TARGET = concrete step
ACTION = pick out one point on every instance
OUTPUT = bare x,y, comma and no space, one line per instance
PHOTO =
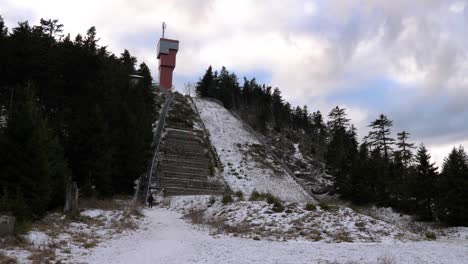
179,139
187,183
181,175
185,152
179,132
185,159
171,191
175,158
182,137
175,125
184,144
182,163
180,169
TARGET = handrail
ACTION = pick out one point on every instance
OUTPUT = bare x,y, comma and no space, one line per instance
156,141
157,138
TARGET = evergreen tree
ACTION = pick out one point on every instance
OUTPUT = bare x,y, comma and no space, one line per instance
452,201
204,83
3,29
51,27
342,148
404,148
361,184
423,183
33,167
379,136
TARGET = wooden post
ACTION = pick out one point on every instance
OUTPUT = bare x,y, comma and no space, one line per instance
71,199
7,225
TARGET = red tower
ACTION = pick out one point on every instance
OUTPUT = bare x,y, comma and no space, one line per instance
167,51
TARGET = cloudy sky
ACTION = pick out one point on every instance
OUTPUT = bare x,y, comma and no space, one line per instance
406,59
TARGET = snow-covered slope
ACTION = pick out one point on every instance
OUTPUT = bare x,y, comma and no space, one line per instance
247,165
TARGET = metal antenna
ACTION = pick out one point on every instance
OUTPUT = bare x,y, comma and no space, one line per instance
163,28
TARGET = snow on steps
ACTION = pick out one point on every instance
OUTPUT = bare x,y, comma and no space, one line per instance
184,168
229,137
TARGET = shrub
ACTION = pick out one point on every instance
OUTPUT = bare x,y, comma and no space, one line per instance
278,206
255,196
227,198
310,207
212,169
212,200
327,207
431,235
239,194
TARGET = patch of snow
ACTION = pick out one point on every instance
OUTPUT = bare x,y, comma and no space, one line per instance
93,213
37,239
242,172
297,152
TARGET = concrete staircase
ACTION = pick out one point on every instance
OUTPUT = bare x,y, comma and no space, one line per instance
184,166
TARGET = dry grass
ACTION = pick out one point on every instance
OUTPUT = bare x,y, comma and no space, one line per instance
12,242
7,260
103,204
218,224
342,236
43,256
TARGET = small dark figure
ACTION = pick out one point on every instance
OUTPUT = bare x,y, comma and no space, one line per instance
150,201
164,192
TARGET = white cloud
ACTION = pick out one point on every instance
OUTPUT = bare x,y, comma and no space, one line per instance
458,7
310,8
311,49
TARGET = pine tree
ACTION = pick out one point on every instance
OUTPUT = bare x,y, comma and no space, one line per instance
342,148
204,83
51,27
405,148
423,183
33,166
379,136
3,29
361,184
452,201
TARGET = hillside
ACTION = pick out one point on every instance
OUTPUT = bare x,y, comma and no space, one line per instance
268,218
248,166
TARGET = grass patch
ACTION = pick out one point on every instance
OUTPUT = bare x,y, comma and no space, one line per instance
90,244
212,200
328,207
342,236
23,227
103,204
7,260
212,169
431,235
310,207
43,256
227,199
269,198
240,195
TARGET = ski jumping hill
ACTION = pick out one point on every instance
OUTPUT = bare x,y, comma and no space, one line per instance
248,165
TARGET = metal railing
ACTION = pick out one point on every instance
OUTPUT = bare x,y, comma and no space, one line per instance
157,138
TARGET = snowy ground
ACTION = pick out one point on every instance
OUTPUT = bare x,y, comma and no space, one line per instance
57,238
168,239
247,165
257,219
